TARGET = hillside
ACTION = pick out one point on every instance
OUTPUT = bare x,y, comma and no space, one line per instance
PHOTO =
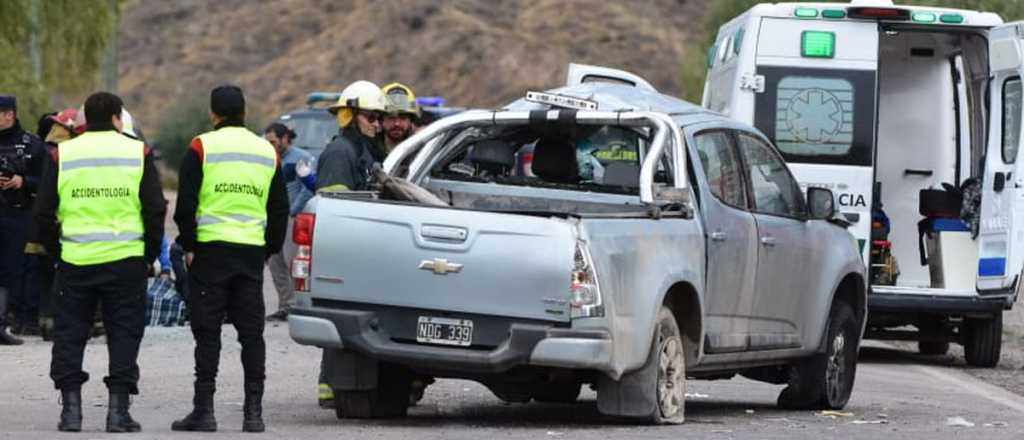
475,53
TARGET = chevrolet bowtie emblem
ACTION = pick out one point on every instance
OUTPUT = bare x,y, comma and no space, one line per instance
440,266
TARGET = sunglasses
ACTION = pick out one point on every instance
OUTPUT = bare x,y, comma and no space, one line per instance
371,117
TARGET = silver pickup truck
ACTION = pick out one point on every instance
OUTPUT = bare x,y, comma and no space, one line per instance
600,233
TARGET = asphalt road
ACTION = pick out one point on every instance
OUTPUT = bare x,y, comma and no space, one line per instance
895,397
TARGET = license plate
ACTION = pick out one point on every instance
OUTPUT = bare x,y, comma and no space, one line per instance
444,331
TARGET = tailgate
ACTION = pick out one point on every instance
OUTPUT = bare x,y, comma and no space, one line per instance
443,259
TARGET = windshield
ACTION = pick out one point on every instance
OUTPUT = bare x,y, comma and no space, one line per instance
313,130
605,159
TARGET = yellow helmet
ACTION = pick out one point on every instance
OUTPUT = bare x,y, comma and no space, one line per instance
400,99
360,95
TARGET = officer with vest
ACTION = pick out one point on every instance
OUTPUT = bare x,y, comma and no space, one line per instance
232,213
21,165
101,209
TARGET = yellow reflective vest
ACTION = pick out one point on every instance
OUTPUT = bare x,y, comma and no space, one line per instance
238,167
100,213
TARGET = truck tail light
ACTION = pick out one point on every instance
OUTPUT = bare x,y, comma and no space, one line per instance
302,264
584,292
302,230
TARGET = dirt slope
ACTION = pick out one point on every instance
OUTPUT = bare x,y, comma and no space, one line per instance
475,53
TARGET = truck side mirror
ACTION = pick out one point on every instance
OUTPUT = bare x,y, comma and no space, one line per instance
821,203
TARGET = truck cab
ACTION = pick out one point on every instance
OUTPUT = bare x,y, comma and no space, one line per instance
911,115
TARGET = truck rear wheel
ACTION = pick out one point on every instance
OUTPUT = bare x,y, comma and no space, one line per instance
389,399
825,380
983,341
670,361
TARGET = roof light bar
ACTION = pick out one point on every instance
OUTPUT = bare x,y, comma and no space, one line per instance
879,13
924,17
833,13
951,18
804,12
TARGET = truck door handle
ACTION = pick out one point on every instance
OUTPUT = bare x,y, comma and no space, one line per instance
768,241
719,236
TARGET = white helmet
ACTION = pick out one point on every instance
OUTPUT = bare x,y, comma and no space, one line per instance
361,95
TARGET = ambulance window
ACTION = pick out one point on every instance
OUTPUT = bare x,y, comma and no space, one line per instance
814,116
818,116
1012,92
722,168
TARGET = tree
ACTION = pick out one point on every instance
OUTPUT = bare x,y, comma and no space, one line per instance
694,67
65,42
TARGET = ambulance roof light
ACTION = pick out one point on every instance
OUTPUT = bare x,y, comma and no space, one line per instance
879,13
871,3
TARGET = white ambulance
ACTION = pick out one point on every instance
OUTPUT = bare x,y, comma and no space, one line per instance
878,102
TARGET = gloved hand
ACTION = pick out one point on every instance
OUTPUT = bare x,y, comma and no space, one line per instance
302,168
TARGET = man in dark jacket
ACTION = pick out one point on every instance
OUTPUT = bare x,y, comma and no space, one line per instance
21,166
232,214
101,209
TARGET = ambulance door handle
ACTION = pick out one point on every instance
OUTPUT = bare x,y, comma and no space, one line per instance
925,173
768,241
719,236
999,182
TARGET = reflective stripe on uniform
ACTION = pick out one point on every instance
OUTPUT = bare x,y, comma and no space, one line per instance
98,162
213,220
101,236
241,157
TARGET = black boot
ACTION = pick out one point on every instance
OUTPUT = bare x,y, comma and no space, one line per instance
201,418
253,408
118,418
5,337
71,414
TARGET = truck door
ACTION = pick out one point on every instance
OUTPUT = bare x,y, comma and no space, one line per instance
731,243
1001,235
783,250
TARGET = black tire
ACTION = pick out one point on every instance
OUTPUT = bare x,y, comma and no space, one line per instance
670,362
932,348
983,342
389,400
825,380
558,392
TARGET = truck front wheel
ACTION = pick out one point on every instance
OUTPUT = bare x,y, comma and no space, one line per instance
825,380
983,341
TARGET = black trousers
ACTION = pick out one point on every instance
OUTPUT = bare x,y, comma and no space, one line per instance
120,287
14,224
227,282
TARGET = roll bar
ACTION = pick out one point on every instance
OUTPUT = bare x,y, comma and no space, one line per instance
666,133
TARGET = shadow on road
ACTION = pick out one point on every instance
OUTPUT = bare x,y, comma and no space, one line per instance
887,355
552,416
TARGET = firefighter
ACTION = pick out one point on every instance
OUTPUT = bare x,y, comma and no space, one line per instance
232,212
401,116
101,196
